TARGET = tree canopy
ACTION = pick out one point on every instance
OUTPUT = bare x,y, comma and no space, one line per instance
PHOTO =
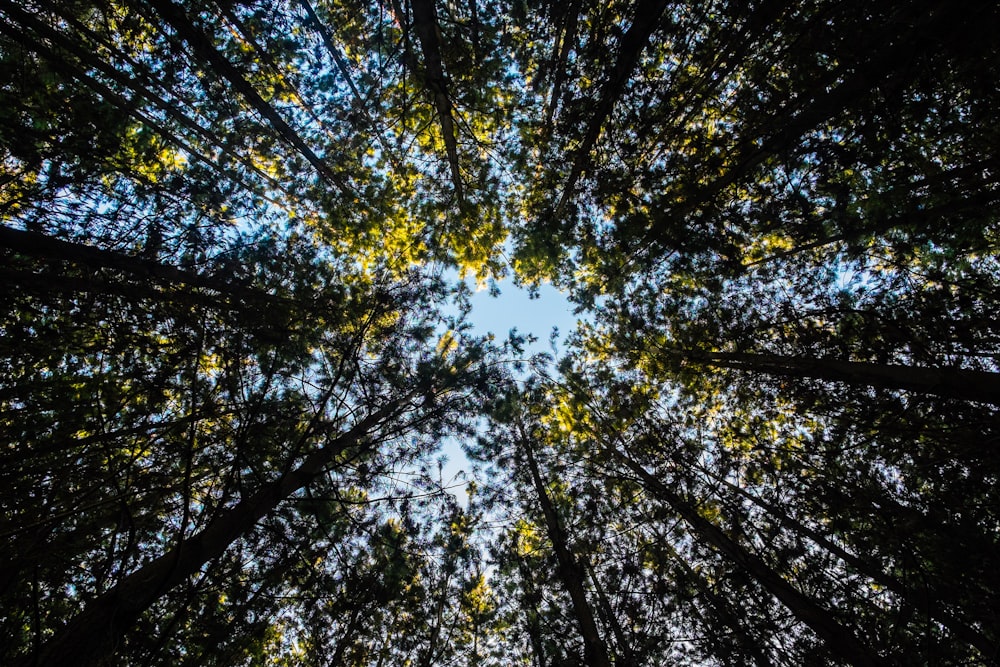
236,241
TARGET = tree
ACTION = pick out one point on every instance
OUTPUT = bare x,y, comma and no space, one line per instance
234,332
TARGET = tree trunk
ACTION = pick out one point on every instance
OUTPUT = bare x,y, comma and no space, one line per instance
429,34
722,607
624,656
954,383
203,48
91,636
139,90
570,572
923,603
49,249
840,640
647,17
529,607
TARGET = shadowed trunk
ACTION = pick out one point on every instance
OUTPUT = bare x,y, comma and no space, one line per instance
429,34
570,571
91,636
840,641
957,383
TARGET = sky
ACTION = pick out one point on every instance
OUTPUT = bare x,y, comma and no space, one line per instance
514,307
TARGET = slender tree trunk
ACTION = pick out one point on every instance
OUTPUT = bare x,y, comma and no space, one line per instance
954,383
428,33
570,572
347,638
332,49
92,635
722,607
624,656
839,640
203,48
647,17
560,58
139,88
529,607
922,603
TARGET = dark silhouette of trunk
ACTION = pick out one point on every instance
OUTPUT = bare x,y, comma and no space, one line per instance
127,104
956,383
435,637
530,599
570,572
759,24
52,250
331,48
347,639
201,45
887,51
722,607
624,656
919,219
647,17
429,35
921,602
840,641
92,635
568,31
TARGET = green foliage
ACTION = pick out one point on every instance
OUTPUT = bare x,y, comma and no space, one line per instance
228,355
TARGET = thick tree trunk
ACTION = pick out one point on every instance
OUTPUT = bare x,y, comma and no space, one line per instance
49,249
91,636
570,571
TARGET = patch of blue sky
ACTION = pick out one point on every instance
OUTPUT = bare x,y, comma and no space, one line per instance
544,313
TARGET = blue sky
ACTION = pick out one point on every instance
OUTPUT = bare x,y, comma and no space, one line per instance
515,308
498,315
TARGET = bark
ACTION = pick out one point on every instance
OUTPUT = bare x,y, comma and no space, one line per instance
201,45
429,34
923,603
50,249
91,636
647,17
570,571
63,65
331,48
840,640
722,607
955,383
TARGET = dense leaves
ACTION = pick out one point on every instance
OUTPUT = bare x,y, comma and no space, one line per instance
230,350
